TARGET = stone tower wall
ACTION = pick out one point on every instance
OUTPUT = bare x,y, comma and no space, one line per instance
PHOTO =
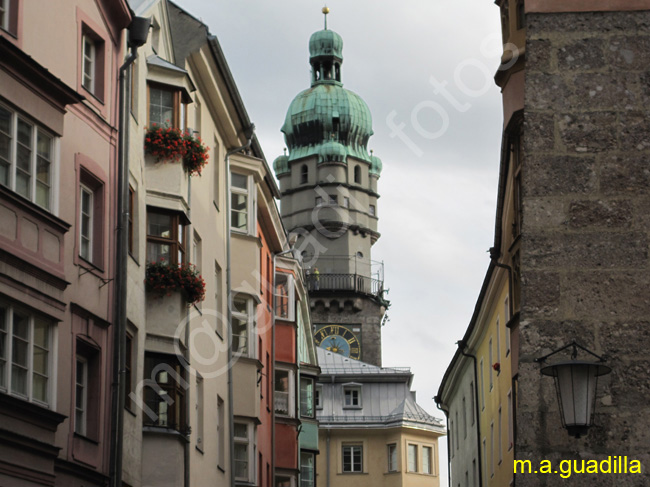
586,223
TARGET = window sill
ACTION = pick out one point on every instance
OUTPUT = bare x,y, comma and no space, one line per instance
85,438
134,258
353,407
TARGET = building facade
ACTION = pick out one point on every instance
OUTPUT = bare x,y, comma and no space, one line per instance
329,199
568,235
58,166
372,432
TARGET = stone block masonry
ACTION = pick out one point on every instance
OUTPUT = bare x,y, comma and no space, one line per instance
586,232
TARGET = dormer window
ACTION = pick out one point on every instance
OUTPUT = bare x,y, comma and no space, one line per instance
304,174
357,174
352,396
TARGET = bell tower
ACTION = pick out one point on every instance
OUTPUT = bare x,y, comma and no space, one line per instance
328,182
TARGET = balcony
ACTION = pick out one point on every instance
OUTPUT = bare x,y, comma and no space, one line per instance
345,282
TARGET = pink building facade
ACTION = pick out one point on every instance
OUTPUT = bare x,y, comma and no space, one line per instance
59,65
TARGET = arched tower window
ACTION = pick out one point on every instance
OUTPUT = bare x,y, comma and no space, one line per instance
304,174
357,174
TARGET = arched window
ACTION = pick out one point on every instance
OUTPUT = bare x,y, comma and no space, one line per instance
357,174
304,174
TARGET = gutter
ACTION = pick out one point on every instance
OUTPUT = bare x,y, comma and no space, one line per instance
231,413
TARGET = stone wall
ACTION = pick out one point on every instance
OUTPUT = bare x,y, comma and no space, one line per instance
586,221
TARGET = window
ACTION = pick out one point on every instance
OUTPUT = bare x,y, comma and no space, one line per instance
131,219
511,435
217,300
346,202
242,315
26,158
472,413
284,481
333,199
81,396
318,398
307,397
197,116
92,63
491,363
284,296
451,438
4,14
221,433
243,436
307,470
506,313
196,251
87,389
89,63
165,106
500,443
304,174
456,433
319,201
491,449
372,210
165,237
498,335
517,156
165,398
412,457
352,458
25,359
242,214
464,418
485,460
521,15
284,392
351,396
357,174
216,174
392,457
128,375
86,223
427,460
482,386
199,412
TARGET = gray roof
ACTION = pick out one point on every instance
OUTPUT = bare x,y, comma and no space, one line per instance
386,398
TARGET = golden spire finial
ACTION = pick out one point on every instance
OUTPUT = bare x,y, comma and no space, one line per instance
325,11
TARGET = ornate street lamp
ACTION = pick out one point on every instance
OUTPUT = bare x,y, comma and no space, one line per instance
575,383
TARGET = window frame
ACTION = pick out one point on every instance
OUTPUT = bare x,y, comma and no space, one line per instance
81,412
307,404
85,190
250,193
351,447
95,187
392,463
88,57
290,393
352,388
36,132
174,388
412,448
179,114
289,297
176,243
424,449
307,482
8,310
90,33
249,443
248,317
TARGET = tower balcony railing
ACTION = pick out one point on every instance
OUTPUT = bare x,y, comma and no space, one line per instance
345,282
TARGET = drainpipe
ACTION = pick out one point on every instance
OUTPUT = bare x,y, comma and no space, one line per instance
186,354
270,376
440,405
461,347
231,413
137,36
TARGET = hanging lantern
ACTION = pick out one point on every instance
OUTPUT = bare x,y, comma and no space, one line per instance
575,383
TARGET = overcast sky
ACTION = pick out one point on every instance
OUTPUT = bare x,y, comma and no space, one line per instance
427,65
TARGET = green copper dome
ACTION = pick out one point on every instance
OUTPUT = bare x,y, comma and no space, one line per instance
375,165
281,165
326,120
326,43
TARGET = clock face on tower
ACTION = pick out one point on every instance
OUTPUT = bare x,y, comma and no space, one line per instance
338,339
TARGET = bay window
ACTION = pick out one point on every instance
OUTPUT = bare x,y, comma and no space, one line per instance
26,360
244,449
242,203
166,106
26,157
284,392
242,326
307,469
284,296
307,397
166,399
165,237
